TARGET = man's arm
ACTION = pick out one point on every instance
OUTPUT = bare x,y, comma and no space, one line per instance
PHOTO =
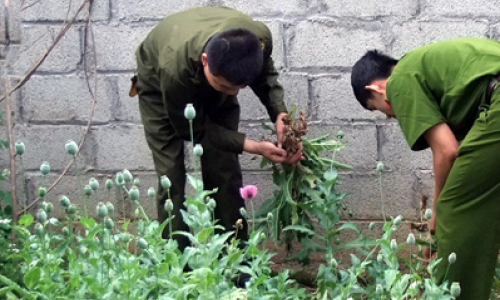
444,148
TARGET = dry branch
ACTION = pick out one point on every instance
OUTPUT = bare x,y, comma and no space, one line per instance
12,153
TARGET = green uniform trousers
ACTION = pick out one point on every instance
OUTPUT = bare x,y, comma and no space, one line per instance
468,209
220,169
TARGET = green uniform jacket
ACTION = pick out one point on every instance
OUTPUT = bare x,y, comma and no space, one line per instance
169,60
442,82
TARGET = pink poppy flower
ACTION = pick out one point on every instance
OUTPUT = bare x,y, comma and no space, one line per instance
248,192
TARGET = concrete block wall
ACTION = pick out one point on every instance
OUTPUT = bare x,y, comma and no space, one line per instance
315,44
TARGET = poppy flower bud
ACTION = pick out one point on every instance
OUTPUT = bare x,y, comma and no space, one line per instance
340,134
410,240
87,190
452,258
143,244
455,289
380,167
428,214
394,245
64,201
109,184
101,210
137,182
198,150
127,176
38,228
169,205
108,223
42,191
151,193
119,180
379,289
110,207
41,216
71,209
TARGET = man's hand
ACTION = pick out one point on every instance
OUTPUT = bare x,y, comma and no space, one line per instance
280,128
292,159
266,149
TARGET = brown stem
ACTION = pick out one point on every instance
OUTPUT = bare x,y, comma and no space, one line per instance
12,152
62,32
91,114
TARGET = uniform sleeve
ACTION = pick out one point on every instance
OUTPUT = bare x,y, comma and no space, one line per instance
176,95
266,85
415,108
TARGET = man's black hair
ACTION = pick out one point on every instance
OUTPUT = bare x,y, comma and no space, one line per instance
236,55
372,66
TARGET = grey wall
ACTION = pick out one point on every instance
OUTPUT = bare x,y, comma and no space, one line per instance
315,44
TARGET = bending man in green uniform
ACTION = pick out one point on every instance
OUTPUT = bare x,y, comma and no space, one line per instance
204,56
444,97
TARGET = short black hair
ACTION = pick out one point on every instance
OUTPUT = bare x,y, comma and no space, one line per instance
236,55
372,66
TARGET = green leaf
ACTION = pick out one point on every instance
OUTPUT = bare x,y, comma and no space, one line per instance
26,220
87,222
204,234
299,228
196,183
349,225
269,127
32,278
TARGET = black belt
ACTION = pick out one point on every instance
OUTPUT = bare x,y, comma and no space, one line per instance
491,87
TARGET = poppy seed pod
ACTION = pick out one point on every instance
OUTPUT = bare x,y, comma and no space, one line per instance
127,176
45,168
41,215
101,210
428,214
394,245
71,147
143,244
198,150
65,231
165,182
108,223
379,289
410,240
340,134
169,205
109,184
42,191
133,193
87,190
71,209
119,180
137,182
397,220
38,228
380,167
189,112
455,289
48,207
452,258
110,207
151,193
64,201
94,184
20,148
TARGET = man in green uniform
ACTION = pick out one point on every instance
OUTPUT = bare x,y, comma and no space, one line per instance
204,56
444,96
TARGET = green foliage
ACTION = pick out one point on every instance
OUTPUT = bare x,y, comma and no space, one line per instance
306,190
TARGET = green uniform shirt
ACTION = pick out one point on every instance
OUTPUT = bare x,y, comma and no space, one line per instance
442,82
169,60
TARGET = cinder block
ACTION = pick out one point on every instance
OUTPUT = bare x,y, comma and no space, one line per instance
324,43
46,143
416,33
367,9
291,8
138,10
365,199
65,57
125,108
122,146
360,150
296,93
454,8
494,32
333,99
116,46
425,186
397,155
66,98
54,10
